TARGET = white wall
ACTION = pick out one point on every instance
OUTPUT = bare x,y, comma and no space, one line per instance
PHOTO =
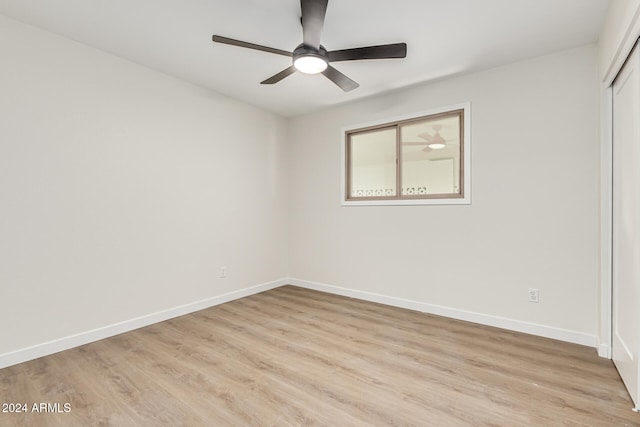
533,221
122,190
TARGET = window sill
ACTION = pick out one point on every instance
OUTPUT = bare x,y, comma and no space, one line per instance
408,202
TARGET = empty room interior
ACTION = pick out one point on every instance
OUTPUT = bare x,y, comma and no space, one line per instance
436,223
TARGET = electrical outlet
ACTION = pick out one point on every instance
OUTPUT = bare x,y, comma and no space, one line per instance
534,295
223,272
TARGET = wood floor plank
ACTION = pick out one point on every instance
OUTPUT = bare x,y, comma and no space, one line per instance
296,357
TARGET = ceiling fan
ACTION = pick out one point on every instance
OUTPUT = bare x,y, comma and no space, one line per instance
431,142
311,57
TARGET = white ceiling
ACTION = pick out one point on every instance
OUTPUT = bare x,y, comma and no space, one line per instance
444,37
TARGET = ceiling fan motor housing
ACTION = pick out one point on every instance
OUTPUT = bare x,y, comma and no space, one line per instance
310,60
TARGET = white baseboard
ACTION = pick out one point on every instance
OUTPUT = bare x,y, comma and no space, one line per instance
469,316
44,349
604,351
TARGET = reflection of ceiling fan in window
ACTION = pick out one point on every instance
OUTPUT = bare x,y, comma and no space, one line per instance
431,142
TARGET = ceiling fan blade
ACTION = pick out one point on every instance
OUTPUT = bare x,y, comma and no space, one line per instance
281,75
233,42
396,50
344,82
426,136
313,12
423,143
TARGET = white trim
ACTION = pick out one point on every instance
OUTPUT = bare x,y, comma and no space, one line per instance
469,316
624,48
604,351
55,346
606,225
47,348
466,200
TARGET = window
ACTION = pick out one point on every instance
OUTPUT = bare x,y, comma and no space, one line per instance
419,159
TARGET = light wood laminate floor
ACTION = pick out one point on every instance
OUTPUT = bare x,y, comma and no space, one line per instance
291,356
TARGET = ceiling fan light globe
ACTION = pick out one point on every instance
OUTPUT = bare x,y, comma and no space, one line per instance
436,146
310,64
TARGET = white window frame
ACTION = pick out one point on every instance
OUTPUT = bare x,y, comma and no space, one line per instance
466,160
